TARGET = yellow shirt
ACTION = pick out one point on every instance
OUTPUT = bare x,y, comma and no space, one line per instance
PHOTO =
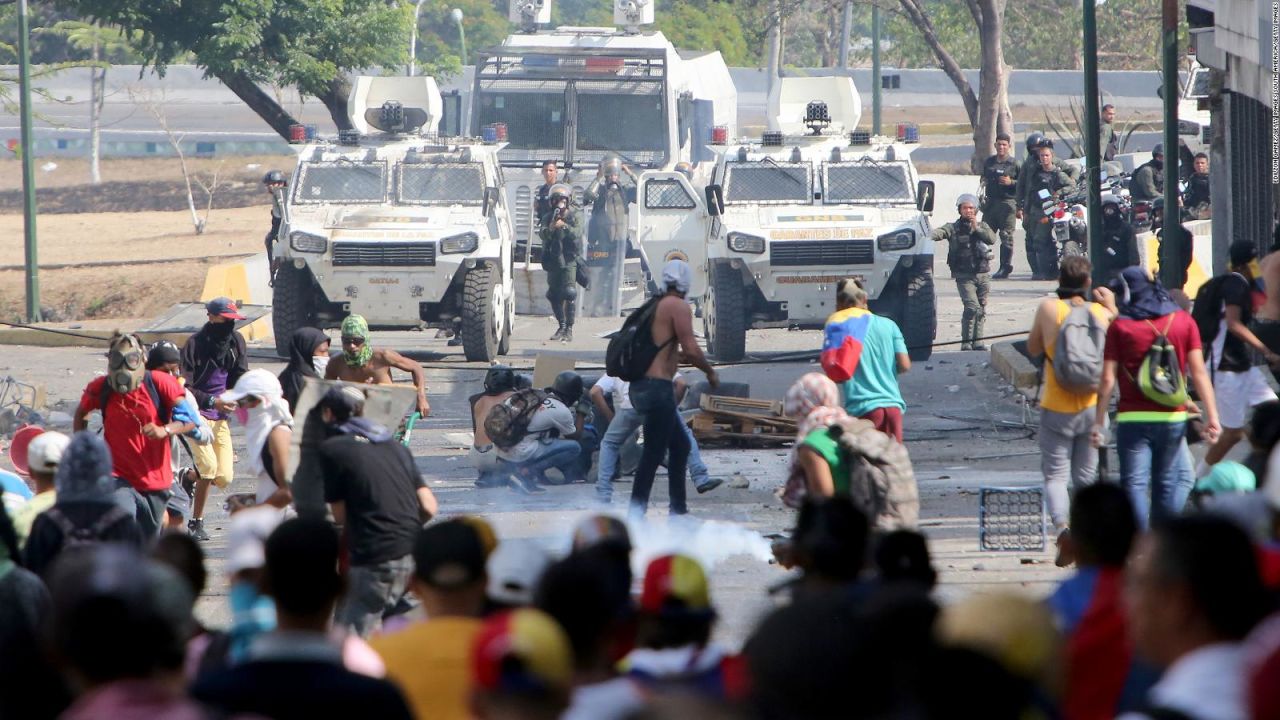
26,515
1055,397
431,662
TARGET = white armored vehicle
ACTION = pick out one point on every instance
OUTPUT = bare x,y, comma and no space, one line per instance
576,95
785,218
391,222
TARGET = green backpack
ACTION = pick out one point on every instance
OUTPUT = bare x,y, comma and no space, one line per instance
1160,377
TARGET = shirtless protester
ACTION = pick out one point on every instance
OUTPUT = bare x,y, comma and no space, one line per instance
654,395
499,383
362,364
1266,321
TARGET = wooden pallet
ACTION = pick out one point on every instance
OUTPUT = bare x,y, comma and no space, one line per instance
742,421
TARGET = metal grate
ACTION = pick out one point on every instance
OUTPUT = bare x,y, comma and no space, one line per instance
1011,518
667,195
822,252
1252,195
768,182
441,184
865,182
384,254
344,182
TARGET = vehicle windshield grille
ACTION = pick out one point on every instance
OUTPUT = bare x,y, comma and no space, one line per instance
768,182
443,184
344,182
867,181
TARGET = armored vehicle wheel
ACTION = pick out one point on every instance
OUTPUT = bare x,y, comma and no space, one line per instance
508,327
483,312
919,319
1071,247
724,315
292,305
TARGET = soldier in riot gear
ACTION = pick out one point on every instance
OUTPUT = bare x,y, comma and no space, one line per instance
561,248
550,171
1000,204
1042,251
274,182
1148,180
607,234
1119,246
969,248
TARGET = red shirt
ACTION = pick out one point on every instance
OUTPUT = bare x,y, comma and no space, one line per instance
135,458
1127,343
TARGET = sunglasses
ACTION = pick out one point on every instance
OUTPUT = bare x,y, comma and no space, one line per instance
353,341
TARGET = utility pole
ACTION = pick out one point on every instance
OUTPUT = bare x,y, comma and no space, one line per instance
456,14
775,46
1092,138
846,27
28,165
875,70
1169,273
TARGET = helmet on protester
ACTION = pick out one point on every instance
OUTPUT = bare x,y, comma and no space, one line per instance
499,378
967,198
567,387
275,177
559,191
1034,140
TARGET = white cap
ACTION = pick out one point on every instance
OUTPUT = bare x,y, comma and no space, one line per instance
514,569
677,273
259,383
247,538
45,451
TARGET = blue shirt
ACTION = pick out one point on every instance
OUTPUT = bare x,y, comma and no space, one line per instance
14,491
875,381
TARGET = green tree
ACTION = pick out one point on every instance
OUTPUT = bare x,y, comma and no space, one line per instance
307,44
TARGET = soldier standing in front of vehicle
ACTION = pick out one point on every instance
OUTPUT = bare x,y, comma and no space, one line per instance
1000,207
274,182
561,246
969,245
1042,251
1035,142
1148,180
550,171
607,234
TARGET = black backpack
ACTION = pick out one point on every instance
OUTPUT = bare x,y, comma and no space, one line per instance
1207,312
163,413
632,350
508,422
74,536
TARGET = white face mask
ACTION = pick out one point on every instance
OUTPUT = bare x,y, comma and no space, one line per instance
320,362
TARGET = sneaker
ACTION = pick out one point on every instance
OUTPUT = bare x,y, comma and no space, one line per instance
559,333
454,341
978,346
1002,273
567,335
490,480
526,484
709,485
195,528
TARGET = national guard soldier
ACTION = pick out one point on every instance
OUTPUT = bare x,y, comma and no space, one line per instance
550,171
607,235
561,247
1147,183
1042,251
1000,205
969,247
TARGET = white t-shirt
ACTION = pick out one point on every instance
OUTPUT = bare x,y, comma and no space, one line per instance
621,390
553,415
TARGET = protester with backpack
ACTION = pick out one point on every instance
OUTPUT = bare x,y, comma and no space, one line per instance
534,432
213,360
1070,331
1150,350
136,406
1224,311
86,511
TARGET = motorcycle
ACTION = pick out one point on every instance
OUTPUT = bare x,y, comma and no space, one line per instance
1069,226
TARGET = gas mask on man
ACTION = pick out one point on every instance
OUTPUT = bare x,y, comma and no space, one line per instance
126,363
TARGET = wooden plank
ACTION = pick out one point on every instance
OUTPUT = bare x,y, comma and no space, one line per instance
778,420
740,405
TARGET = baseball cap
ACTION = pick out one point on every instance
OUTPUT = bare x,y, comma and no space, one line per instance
247,538
451,554
514,570
599,530
523,651
1227,477
223,307
45,451
675,585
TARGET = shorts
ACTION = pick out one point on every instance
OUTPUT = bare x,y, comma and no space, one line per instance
887,420
179,502
1236,392
214,461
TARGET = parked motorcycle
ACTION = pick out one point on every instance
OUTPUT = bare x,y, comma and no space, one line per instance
1069,225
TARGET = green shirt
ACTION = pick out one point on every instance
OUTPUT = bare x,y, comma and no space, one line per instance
821,442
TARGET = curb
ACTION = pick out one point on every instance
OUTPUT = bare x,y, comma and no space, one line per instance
1013,366
39,338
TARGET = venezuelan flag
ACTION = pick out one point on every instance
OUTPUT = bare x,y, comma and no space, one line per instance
842,343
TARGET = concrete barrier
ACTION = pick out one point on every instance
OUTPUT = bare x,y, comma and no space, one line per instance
248,282
1014,367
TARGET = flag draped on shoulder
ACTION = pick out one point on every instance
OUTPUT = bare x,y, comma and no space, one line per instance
842,343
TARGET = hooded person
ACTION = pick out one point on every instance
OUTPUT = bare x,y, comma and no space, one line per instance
1119,244
85,512
268,425
815,404
308,358
356,327
361,363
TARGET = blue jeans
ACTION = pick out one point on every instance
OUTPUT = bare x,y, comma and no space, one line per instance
624,424
1153,454
656,400
559,454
